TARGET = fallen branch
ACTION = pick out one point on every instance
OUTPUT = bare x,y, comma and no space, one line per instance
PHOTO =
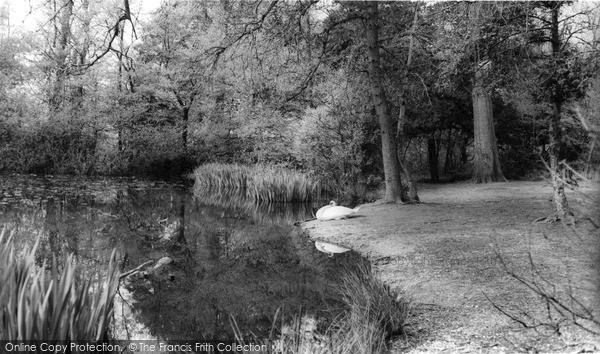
134,270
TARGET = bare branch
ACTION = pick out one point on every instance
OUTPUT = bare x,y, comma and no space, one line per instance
249,29
114,33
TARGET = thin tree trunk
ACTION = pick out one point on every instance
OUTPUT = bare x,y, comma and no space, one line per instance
410,193
449,161
555,132
486,163
80,54
184,133
64,14
119,124
560,199
432,158
391,167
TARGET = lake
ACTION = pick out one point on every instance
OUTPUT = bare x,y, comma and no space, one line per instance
213,258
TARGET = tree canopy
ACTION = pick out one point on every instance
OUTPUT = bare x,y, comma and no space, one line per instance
362,95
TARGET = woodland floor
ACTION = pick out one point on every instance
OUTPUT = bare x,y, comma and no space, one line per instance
443,253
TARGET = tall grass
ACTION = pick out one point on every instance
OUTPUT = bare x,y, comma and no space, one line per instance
374,314
39,304
259,183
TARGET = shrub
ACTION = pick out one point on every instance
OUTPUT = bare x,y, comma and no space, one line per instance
331,141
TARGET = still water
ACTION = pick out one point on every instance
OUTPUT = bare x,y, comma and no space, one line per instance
210,259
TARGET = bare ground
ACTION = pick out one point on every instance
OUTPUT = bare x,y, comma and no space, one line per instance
447,255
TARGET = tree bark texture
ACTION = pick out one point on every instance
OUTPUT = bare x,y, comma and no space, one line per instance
486,163
391,167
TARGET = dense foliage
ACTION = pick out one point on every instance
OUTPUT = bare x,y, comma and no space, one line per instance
99,89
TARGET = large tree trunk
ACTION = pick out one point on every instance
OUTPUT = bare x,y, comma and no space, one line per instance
486,163
391,167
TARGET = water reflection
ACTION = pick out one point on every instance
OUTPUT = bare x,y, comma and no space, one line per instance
208,257
330,248
275,213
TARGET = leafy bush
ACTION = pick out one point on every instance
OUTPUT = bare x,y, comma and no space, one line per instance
330,143
48,147
37,304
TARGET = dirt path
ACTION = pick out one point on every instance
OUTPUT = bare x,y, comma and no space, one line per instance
443,253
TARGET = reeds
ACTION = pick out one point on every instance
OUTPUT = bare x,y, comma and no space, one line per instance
44,305
259,183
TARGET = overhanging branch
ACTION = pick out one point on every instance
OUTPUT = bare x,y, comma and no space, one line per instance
113,33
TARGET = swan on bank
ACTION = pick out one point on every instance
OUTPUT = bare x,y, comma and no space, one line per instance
322,209
334,212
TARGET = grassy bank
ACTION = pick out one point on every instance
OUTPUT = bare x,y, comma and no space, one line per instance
259,183
39,301
372,315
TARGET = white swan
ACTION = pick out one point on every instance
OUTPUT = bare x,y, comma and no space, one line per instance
337,213
321,210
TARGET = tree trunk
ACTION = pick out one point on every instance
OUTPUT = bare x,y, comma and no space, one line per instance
184,133
555,132
486,163
409,194
432,157
558,184
449,161
79,56
63,31
391,168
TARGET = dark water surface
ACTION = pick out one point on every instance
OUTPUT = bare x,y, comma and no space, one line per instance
220,257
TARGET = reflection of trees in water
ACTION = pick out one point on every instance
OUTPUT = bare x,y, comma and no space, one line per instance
276,213
223,261
235,266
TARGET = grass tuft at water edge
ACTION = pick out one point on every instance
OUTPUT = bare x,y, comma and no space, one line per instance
260,183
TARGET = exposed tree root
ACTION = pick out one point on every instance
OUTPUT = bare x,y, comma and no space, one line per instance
568,218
